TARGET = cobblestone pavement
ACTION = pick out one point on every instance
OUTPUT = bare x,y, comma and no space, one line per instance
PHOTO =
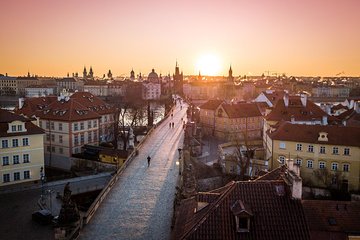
140,205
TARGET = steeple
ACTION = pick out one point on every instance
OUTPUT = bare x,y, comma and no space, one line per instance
91,73
230,77
132,74
84,72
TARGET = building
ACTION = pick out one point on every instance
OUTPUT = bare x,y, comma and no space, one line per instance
96,88
24,82
233,121
69,123
69,84
327,155
178,80
152,87
8,85
39,90
208,115
330,91
260,209
21,150
271,97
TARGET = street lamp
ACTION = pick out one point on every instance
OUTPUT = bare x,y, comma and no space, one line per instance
42,179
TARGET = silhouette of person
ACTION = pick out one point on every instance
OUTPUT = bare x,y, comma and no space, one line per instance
148,159
173,124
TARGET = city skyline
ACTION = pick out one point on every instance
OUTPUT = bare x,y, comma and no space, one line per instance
308,38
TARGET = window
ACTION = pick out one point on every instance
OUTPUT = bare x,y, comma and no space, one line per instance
19,128
322,150
26,158
346,167
52,149
27,174
298,162
322,165
5,160
76,127
282,145
4,143
61,150
89,124
6,177
334,166
298,147
15,143
47,137
309,163
25,141
95,136
60,139
60,127
76,140
95,123
13,128
81,126
52,126
347,151
47,125
53,137
282,160
48,148
82,138
310,148
335,150
16,176
89,137
41,124
16,159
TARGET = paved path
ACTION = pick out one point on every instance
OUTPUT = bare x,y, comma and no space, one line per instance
140,205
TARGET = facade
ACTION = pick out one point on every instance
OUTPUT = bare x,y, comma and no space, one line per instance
21,149
270,97
8,85
39,91
69,123
331,91
24,82
96,88
151,91
117,88
238,122
207,116
69,84
316,149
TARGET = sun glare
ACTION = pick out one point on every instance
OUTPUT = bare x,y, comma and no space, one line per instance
208,65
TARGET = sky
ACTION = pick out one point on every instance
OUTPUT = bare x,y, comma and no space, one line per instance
300,38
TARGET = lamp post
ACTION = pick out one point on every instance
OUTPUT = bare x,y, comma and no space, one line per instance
179,149
42,179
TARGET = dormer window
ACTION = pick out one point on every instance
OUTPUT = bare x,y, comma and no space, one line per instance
242,215
220,112
323,136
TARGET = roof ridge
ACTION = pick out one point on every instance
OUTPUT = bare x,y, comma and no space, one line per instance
213,205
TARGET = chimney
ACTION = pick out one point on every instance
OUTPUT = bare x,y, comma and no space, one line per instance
6,74
303,98
286,100
293,180
344,123
324,120
21,103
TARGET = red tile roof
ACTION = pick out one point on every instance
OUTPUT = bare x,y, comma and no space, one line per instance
80,106
337,135
8,117
274,215
295,109
275,96
211,104
332,219
241,110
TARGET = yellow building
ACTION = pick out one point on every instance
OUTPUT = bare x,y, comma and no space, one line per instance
22,149
327,155
113,156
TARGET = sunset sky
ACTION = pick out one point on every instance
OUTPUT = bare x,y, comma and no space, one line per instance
307,37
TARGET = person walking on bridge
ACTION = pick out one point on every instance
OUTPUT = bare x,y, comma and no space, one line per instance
148,159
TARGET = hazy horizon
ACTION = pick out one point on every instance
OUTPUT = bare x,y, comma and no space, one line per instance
298,38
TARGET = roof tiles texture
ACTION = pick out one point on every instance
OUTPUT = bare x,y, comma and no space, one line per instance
241,110
275,216
337,135
211,104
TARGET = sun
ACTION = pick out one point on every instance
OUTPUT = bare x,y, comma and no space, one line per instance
208,65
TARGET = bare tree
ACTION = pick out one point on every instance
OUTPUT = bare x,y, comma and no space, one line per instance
242,154
328,179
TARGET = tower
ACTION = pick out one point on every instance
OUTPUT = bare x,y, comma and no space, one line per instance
230,77
84,72
178,79
109,75
91,73
132,74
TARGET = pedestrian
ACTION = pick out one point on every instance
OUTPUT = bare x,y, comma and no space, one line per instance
172,115
169,124
173,124
148,158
